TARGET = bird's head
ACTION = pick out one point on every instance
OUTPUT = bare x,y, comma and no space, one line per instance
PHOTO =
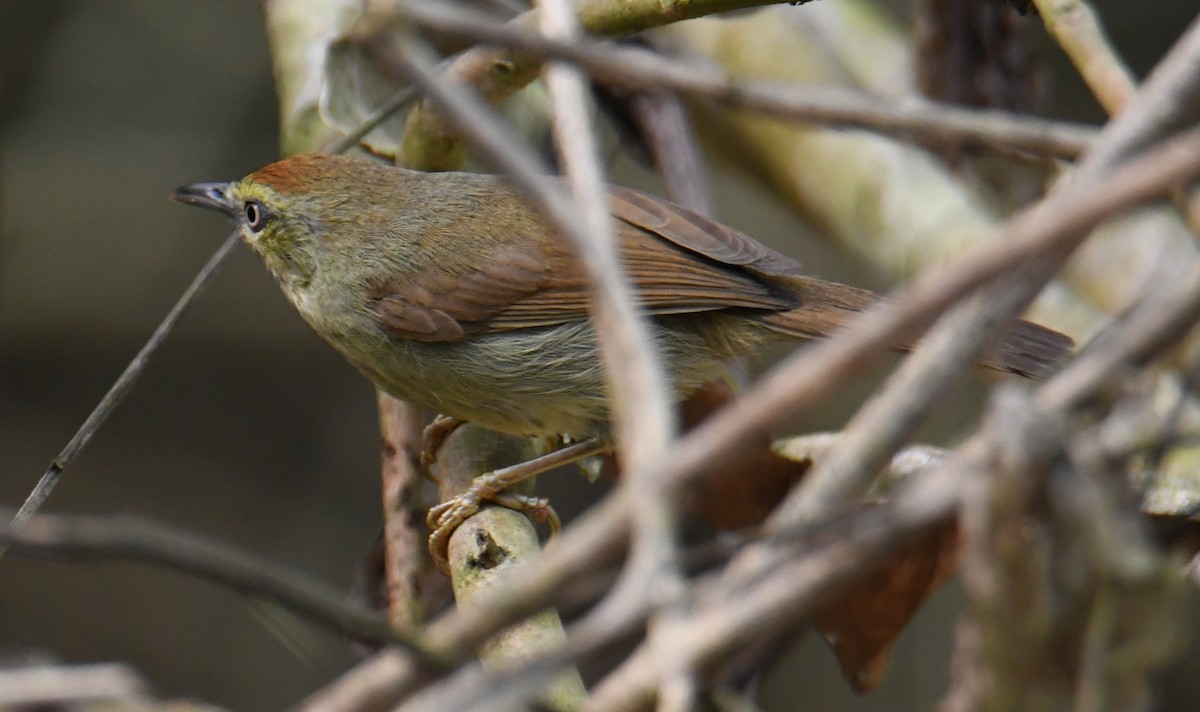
285,211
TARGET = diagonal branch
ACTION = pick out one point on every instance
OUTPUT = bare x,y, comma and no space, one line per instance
1076,28
433,144
124,383
644,70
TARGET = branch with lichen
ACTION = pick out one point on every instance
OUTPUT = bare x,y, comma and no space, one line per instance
496,544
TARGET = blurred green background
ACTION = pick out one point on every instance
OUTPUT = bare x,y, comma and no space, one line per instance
246,427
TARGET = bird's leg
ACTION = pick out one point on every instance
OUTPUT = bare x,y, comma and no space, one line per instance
435,435
444,518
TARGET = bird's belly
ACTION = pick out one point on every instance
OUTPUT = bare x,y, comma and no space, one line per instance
545,381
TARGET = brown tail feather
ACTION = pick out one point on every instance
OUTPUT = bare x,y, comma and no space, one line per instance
1025,349
1028,349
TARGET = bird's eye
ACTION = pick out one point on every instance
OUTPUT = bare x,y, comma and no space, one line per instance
256,215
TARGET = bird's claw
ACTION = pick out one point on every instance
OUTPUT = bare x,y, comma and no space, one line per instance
435,435
443,520
446,517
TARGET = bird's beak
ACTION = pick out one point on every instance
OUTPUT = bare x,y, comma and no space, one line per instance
214,196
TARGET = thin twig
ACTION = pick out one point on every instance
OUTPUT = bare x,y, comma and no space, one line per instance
1146,332
815,568
1076,28
398,101
371,686
667,128
641,408
94,538
117,392
883,424
497,74
1165,102
643,414
644,70
472,688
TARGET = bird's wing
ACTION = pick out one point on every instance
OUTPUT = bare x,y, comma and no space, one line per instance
697,234
677,261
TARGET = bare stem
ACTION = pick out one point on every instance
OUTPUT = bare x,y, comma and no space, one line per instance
124,383
1076,28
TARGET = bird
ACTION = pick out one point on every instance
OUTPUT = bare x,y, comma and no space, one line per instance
450,290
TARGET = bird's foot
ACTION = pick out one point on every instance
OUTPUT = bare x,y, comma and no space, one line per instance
446,517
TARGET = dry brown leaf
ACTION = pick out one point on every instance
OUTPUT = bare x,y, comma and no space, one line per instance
863,623
742,494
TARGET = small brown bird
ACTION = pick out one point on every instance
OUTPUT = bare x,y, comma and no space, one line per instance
449,290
